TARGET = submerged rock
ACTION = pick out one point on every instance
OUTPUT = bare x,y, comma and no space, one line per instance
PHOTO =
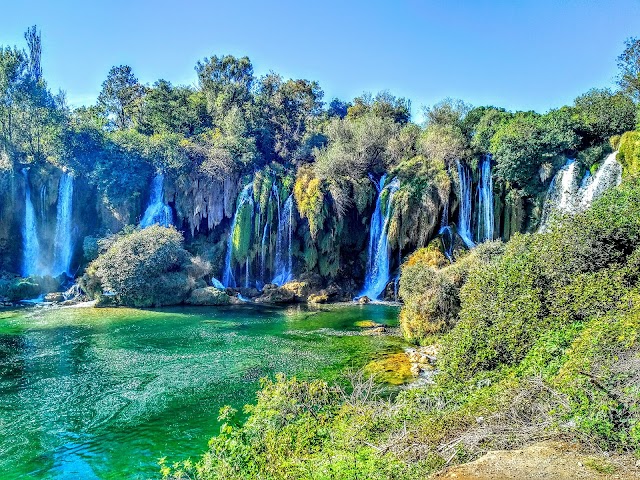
208,296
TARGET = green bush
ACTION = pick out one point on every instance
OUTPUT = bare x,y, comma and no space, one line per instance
142,269
430,289
629,153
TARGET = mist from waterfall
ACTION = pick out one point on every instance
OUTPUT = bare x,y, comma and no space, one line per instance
63,240
485,202
283,266
245,197
157,212
30,242
568,193
464,210
377,275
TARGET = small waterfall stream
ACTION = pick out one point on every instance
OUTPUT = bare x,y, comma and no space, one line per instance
485,202
464,210
63,241
245,197
446,233
377,275
568,193
30,243
283,266
157,212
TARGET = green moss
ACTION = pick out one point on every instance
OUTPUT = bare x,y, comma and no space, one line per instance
393,369
629,153
242,232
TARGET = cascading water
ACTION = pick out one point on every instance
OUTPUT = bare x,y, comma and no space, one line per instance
608,175
464,210
63,241
245,197
284,252
157,211
446,234
377,275
568,194
30,243
485,202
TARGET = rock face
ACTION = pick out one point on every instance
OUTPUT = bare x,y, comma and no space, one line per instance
550,460
208,296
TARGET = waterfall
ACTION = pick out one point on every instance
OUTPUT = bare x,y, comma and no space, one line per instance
608,175
157,211
568,194
377,275
30,243
245,197
63,241
464,210
283,267
446,234
485,202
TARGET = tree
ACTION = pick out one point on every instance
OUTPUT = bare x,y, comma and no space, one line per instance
169,109
226,82
286,112
602,114
121,96
528,140
629,65
34,43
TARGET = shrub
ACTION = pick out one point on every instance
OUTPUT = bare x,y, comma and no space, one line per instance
431,290
143,269
629,153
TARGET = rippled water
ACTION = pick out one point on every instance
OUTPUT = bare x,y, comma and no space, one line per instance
104,393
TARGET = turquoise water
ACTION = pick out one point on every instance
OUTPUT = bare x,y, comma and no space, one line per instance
103,393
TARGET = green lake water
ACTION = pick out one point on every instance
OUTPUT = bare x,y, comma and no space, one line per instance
103,393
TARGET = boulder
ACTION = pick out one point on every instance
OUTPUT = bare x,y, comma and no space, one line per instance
276,295
208,296
55,297
364,300
318,298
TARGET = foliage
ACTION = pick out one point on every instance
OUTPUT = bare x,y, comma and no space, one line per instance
430,288
121,96
523,144
629,65
142,269
629,153
602,114
309,196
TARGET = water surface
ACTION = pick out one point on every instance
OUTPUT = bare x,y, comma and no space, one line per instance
103,393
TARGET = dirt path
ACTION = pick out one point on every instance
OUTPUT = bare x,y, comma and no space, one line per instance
551,460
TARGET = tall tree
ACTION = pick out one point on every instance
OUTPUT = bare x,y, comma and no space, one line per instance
226,82
34,43
121,96
629,65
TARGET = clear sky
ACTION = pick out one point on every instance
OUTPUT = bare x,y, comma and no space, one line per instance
519,54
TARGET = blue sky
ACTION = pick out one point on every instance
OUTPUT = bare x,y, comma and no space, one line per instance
519,54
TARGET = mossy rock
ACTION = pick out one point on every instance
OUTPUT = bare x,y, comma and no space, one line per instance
318,298
208,296
368,324
394,369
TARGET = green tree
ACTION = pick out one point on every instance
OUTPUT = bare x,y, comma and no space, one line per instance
629,65
226,82
602,113
121,96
